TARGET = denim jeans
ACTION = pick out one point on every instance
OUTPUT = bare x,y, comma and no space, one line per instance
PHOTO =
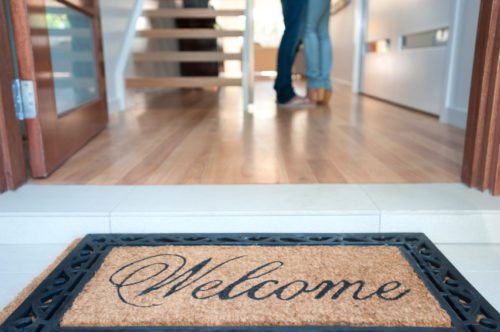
317,44
294,13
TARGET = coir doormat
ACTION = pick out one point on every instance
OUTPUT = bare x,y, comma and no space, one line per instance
358,282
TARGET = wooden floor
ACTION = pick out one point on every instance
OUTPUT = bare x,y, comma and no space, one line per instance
200,137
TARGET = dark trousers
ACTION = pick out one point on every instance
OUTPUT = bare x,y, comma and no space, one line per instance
294,13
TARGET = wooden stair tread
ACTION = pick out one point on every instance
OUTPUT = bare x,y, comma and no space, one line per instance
191,13
186,56
190,33
181,82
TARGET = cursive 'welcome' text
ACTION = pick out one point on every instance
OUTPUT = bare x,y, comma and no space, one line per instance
150,281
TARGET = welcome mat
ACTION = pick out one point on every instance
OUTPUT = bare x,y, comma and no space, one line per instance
338,282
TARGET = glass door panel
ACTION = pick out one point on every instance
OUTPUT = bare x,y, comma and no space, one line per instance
73,56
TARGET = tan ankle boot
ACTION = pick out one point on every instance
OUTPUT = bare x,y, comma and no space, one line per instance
316,95
327,95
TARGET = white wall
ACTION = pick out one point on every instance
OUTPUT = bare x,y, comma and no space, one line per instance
436,80
461,62
342,34
465,52
117,17
411,77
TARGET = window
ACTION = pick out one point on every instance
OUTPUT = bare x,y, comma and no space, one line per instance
74,62
433,38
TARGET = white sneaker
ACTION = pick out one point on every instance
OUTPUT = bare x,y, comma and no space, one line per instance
298,103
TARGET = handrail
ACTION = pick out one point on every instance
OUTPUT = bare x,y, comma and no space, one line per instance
338,5
248,70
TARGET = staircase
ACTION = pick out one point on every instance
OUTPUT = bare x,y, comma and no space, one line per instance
246,56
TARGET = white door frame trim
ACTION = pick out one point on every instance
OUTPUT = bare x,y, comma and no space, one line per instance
360,22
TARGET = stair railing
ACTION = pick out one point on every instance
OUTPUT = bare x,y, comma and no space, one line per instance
248,66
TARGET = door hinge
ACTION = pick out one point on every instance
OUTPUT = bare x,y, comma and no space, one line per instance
24,99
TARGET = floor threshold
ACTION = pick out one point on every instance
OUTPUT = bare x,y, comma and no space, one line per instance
447,213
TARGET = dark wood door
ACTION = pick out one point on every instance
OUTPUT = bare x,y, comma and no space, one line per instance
481,166
59,48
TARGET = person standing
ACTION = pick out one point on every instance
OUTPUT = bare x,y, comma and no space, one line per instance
318,51
294,14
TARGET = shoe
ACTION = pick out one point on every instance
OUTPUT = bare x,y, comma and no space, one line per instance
315,95
325,98
298,103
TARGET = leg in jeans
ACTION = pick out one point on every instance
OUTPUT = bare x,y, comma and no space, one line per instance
294,13
318,48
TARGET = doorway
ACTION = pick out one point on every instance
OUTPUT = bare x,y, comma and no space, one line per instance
208,140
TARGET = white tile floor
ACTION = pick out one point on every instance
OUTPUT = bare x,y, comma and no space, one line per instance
480,265
447,213
431,198
19,264
37,221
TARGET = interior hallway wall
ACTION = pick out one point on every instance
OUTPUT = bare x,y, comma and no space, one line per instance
342,35
411,77
461,62
436,79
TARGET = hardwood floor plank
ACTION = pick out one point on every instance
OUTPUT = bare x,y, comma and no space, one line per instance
203,137
325,171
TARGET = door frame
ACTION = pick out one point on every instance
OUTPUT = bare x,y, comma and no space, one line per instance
13,172
481,162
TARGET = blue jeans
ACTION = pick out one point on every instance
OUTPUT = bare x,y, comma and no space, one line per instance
294,13
317,44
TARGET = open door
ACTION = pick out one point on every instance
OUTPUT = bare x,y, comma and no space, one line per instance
60,60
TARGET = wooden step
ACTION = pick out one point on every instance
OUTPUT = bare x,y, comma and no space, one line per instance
191,13
188,33
186,56
181,82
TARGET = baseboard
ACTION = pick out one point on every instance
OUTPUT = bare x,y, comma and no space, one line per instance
456,117
408,107
341,81
113,105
